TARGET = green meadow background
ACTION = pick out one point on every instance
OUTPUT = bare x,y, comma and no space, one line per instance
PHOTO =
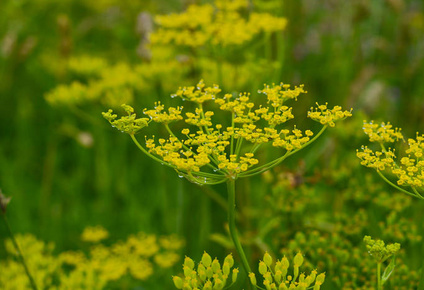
68,169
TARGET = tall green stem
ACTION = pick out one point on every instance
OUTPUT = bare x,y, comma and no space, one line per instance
421,283
231,187
20,256
379,285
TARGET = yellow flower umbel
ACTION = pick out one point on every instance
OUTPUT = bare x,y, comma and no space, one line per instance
223,25
277,276
207,152
94,234
408,167
208,274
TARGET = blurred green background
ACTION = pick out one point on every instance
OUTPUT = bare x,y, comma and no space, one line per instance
65,168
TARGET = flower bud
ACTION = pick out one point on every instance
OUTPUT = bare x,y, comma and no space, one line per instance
186,270
230,260
235,274
226,269
267,259
216,267
298,259
178,282
189,263
206,259
262,268
320,278
207,286
252,278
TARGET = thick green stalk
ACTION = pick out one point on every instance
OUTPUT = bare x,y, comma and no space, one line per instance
421,283
231,187
20,256
379,285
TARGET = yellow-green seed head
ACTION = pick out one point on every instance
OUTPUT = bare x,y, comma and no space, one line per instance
178,282
230,260
267,259
189,263
320,278
216,267
234,276
252,278
262,268
206,259
226,268
298,260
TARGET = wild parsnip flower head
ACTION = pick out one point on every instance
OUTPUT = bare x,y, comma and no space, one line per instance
379,251
87,65
208,274
109,85
140,256
94,234
408,167
382,133
207,152
223,23
278,276
328,117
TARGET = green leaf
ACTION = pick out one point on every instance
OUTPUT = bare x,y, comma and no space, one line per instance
388,271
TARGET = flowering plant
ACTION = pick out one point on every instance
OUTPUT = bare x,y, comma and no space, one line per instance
208,153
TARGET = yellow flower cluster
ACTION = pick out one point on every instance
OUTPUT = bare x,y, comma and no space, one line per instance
224,24
383,133
198,94
87,65
409,170
158,114
94,234
109,85
377,160
276,276
217,147
327,117
140,256
128,124
207,275
112,85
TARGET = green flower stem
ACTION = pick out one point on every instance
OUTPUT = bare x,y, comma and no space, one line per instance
397,187
231,187
202,115
417,193
269,165
421,283
379,285
238,146
206,130
20,256
232,135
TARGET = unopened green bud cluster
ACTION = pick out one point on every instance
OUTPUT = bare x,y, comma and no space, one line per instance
379,251
278,276
209,274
